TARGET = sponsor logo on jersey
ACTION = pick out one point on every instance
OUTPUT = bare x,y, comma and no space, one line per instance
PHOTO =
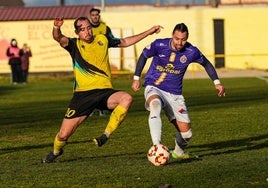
172,57
100,43
183,59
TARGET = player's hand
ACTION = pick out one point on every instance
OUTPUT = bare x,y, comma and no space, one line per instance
135,85
156,29
221,90
58,21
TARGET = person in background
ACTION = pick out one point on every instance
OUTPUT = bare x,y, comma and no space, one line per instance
92,81
13,53
163,84
25,54
98,26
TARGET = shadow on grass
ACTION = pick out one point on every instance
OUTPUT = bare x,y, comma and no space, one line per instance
101,157
233,146
23,148
6,90
226,147
216,148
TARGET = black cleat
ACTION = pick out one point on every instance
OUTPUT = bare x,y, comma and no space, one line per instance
50,158
100,140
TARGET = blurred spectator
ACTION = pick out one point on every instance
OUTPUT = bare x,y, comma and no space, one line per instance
25,53
14,61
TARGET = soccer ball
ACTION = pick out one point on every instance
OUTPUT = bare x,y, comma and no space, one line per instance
158,155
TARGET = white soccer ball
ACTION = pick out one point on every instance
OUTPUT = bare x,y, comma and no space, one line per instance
158,155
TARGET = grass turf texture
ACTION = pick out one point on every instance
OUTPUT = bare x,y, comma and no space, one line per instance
230,136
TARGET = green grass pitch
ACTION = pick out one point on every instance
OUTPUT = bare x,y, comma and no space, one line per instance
230,136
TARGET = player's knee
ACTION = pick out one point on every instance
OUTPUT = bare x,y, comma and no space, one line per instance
63,136
155,106
127,99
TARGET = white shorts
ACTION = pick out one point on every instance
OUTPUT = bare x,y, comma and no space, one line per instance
173,105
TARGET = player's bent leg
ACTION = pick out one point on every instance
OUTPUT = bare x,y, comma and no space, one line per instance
120,103
116,118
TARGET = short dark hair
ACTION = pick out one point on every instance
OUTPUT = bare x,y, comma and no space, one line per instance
82,18
182,28
94,9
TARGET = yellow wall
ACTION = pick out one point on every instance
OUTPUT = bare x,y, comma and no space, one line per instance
246,31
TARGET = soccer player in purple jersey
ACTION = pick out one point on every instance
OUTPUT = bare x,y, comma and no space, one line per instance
163,84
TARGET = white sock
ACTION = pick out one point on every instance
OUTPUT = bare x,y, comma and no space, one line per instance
178,149
155,122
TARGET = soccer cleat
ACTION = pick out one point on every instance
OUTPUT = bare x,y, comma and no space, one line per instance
180,157
100,140
51,157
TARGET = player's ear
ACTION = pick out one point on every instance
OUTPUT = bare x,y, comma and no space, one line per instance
76,32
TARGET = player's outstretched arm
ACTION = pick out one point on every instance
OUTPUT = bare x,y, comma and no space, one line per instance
56,32
128,41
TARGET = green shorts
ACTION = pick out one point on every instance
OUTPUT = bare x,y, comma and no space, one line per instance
84,102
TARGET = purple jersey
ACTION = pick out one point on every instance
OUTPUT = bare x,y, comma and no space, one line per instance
169,66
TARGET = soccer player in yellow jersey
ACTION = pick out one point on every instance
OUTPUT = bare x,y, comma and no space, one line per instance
92,81
98,26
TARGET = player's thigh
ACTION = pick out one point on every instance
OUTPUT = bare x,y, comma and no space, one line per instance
176,108
147,102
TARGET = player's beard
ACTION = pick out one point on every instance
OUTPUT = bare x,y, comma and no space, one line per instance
179,47
89,38
176,46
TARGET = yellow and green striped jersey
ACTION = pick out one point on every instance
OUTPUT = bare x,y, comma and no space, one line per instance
91,62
